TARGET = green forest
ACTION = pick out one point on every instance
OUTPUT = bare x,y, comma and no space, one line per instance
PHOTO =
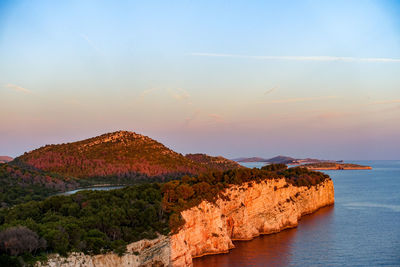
100,221
19,185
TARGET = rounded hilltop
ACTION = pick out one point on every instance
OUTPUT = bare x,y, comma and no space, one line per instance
118,154
118,135
124,137
121,134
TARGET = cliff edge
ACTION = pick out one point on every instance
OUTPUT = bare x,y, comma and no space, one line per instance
245,212
241,213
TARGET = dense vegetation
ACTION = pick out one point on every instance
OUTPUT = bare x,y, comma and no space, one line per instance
18,185
300,176
101,221
89,221
188,192
274,167
214,163
120,154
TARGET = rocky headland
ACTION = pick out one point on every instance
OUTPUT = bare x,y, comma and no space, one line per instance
242,212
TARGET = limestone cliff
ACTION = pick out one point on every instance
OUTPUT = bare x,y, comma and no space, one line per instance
247,211
144,253
244,212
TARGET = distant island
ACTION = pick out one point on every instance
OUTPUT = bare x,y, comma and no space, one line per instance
284,160
5,159
336,166
252,159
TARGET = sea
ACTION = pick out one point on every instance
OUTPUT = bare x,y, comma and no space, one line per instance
94,188
361,229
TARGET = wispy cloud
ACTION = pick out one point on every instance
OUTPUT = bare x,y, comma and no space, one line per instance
299,99
270,90
189,119
335,115
17,88
179,94
72,101
393,101
201,117
146,92
89,41
216,117
301,58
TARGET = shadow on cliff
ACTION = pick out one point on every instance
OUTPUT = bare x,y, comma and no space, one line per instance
274,249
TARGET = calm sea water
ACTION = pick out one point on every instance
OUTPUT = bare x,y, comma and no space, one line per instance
96,188
361,229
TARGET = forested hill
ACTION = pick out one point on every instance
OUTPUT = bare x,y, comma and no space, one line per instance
216,163
18,185
122,154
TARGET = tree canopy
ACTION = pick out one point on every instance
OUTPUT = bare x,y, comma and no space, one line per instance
100,221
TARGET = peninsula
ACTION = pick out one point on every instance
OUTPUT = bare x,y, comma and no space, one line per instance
285,160
207,213
335,166
198,205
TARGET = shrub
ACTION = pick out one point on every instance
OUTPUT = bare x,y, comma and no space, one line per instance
274,167
19,240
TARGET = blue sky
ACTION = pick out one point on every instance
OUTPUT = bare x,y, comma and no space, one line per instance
231,78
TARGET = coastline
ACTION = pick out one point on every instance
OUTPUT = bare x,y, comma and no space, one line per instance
243,213
339,168
257,210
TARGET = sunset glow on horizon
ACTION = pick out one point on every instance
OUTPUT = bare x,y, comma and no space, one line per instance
229,78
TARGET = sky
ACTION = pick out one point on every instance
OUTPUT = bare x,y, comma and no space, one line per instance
232,78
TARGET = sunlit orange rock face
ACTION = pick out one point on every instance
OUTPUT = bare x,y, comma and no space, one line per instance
243,213
144,253
247,211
